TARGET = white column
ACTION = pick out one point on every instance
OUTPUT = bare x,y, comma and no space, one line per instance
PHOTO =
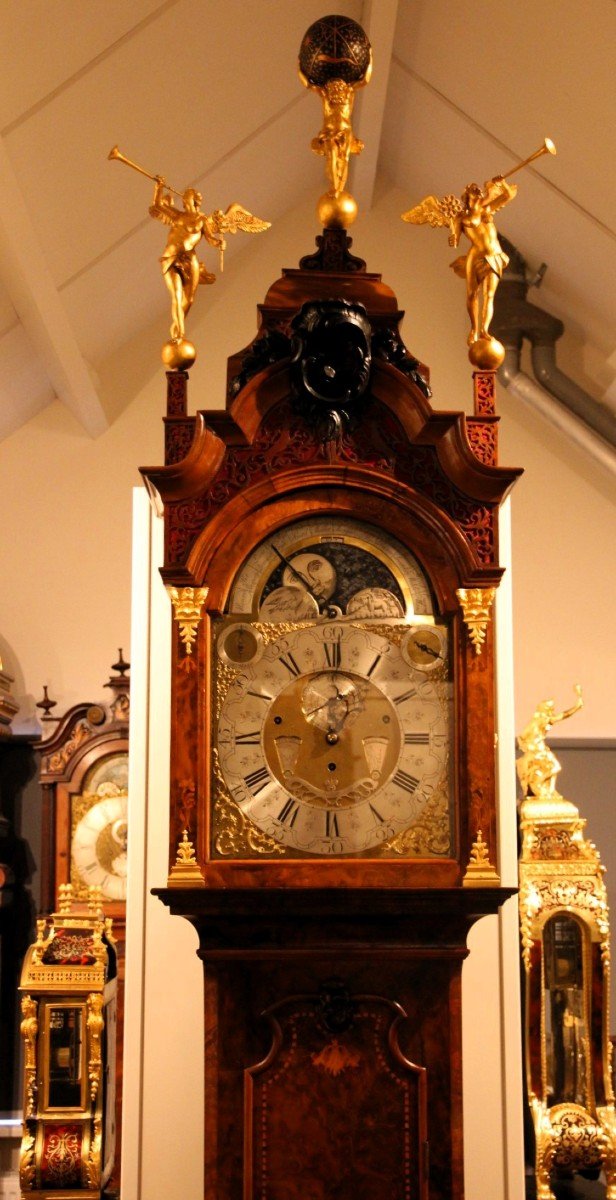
162,1119
491,1021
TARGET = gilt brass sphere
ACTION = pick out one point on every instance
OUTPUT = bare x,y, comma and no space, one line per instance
337,212
178,355
486,354
334,48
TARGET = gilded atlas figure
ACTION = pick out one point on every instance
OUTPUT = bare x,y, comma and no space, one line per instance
335,59
181,268
483,265
538,766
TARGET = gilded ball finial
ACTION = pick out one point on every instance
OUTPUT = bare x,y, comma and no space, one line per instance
337,212
486,354
178,354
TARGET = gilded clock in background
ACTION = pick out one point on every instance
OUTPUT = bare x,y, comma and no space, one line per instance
334,701
99,830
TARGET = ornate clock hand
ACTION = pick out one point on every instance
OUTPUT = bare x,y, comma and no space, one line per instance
428,649
317,709
298,575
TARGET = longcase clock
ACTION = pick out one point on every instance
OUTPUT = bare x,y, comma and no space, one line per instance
331,551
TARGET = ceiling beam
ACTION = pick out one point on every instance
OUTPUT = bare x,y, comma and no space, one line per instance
34,296
379,22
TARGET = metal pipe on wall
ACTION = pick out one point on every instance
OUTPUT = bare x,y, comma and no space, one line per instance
590,424
525,389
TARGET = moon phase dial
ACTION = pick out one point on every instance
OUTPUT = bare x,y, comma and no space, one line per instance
332,742
338,562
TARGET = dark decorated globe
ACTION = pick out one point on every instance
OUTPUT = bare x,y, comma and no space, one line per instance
334,48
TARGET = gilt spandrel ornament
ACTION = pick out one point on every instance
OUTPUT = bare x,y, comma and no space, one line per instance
182,270
335,59
483,265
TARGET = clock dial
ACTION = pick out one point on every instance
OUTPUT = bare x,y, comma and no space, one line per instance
345,566
424,648
333,743
99,843
239,644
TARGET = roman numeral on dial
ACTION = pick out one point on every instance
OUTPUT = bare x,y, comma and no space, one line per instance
257,780
333,653
416,739
247,739
374,665
407,782
405,696
289,662
288,813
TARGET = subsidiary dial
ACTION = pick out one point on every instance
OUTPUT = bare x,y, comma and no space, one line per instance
425,648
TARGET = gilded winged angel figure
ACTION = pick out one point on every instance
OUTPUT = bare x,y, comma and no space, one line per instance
182,270
483,265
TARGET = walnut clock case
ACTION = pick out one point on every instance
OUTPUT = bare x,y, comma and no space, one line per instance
331,551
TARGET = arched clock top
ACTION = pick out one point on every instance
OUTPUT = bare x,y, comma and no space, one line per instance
262,442
361,287
259,511
263,408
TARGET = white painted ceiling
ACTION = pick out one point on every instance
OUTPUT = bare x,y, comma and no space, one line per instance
207,93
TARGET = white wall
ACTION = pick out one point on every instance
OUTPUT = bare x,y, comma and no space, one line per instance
162,1106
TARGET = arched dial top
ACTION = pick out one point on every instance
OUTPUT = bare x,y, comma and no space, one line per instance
330,565
334,709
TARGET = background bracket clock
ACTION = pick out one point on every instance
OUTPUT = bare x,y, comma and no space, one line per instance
332,745
84,780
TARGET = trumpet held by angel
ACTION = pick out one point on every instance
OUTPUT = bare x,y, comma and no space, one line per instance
472,214
182,270
483,265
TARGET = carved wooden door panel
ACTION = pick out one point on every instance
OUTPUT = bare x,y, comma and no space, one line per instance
335,1110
